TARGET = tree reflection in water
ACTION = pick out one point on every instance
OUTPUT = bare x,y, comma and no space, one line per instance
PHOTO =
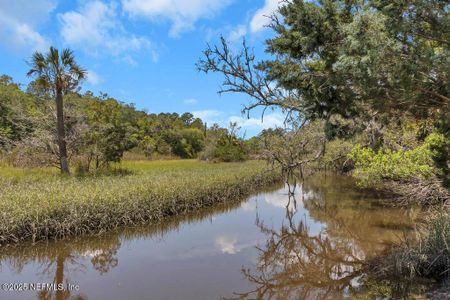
295,261
294,264
58,260
66,258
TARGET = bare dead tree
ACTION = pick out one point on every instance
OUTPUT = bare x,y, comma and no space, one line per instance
243,75
294,149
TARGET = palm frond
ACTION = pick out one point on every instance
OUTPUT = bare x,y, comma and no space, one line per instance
78,71
56,70
38,63
67,57
43,81
53,58
31,72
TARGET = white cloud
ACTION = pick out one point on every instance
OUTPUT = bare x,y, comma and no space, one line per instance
247,125
95,28
261,18
93,78
18,22
181,13
269,121
208,116
237,33
23,35
190,101
258,22
128,60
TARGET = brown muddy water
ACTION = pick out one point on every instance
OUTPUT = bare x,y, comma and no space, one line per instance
270,246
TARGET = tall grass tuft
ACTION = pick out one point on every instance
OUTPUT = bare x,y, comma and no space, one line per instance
427,257
434,247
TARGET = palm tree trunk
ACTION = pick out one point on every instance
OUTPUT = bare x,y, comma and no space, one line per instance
61,134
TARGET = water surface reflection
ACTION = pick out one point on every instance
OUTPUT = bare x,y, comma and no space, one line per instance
309,245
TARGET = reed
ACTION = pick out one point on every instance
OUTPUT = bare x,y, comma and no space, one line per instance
425,256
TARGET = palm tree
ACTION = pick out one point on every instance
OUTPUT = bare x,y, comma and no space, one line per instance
57,74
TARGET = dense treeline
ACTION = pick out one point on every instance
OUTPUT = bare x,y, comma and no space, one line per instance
100,129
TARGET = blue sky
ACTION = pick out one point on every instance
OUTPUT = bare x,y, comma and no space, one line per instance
142,51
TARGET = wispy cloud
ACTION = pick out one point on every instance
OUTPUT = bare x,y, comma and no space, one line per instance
210,116
262,16
93,78
19,21
237,33
96,28
181,13
269,121
248,125
190,101
258,22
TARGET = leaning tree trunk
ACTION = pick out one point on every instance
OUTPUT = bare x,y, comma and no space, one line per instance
63,162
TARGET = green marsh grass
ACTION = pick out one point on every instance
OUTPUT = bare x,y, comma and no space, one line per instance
39,204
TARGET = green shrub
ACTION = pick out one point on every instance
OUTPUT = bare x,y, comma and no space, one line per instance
230,153
372,167
224,145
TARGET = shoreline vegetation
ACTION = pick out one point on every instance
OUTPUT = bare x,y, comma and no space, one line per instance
133,193
421,259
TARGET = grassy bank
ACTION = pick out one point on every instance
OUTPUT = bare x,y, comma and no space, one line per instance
39,204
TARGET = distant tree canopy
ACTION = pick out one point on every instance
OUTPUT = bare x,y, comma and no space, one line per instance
14,126
100,129
224,144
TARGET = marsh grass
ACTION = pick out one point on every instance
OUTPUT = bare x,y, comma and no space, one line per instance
40,204
427,256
